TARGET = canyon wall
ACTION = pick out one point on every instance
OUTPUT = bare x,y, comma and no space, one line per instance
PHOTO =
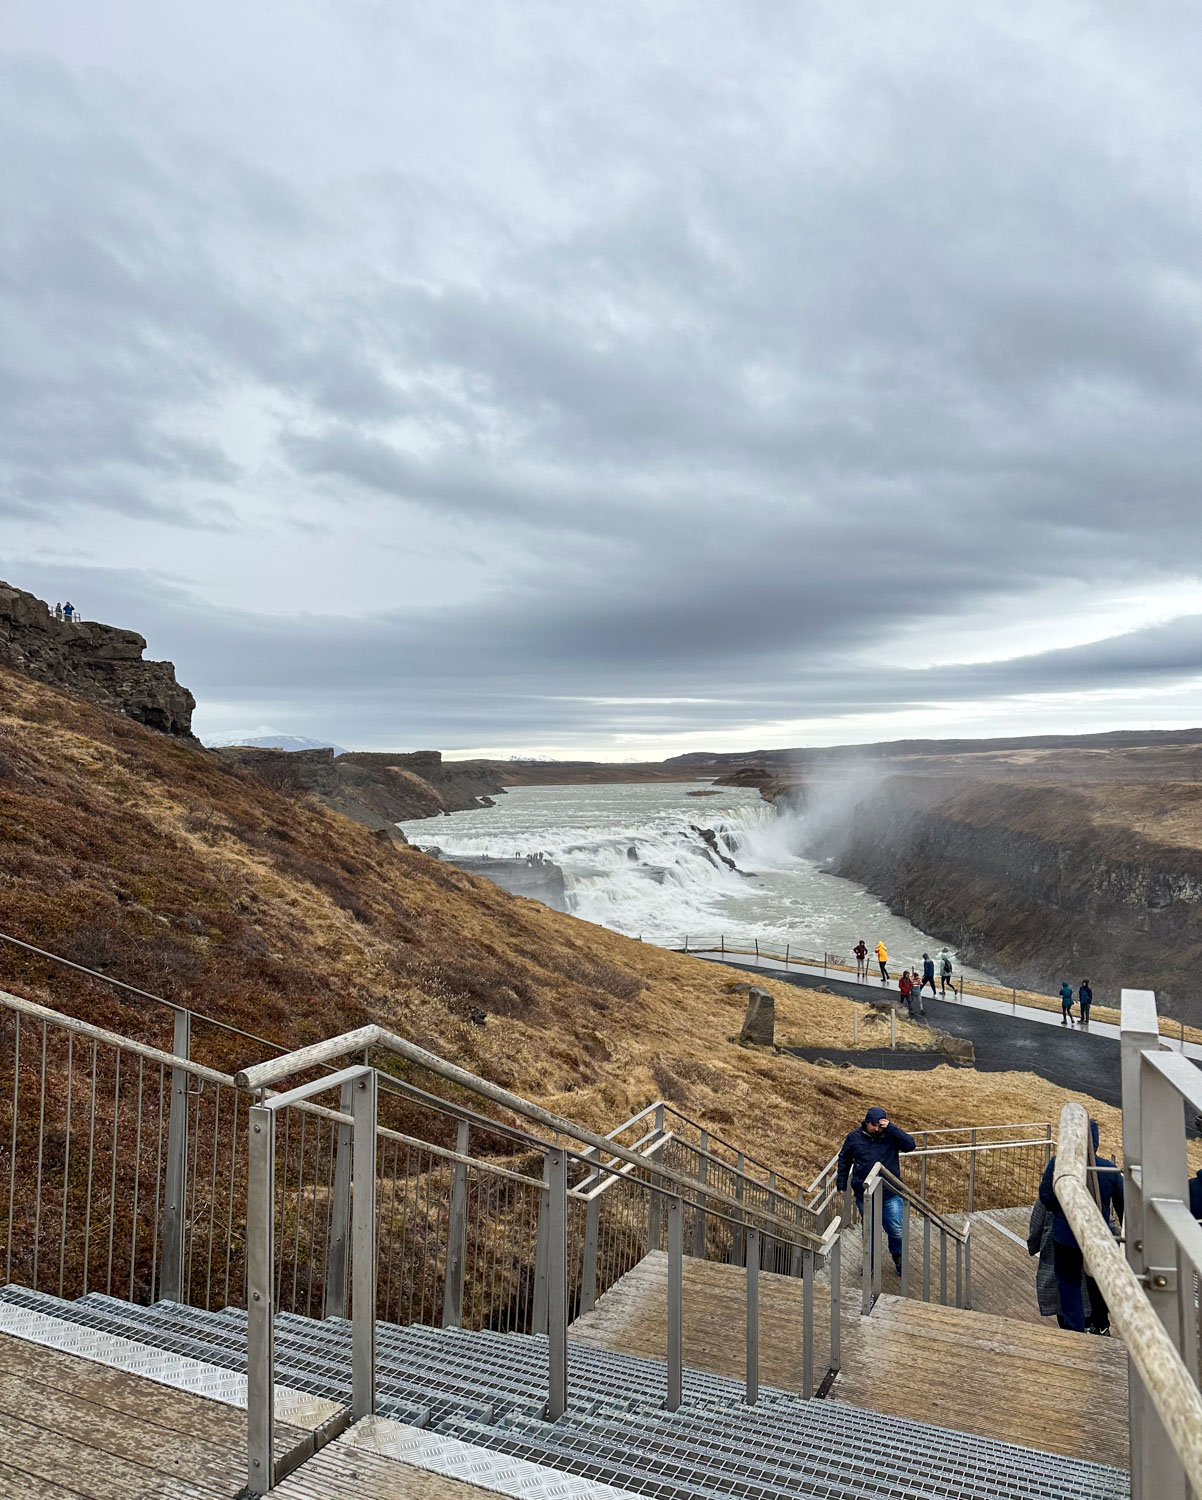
1036,881
378,790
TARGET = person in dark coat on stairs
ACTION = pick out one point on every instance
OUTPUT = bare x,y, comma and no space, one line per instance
876,1139
1067,1257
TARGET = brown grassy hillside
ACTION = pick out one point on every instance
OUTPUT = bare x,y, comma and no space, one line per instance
176,871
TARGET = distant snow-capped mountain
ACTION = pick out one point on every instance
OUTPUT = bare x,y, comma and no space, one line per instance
270,740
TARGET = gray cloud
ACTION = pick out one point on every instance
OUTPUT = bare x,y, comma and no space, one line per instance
700,369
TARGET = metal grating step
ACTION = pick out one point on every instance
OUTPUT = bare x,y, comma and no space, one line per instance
489,1389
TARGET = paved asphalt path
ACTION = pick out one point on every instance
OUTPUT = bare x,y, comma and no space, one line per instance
1083,1060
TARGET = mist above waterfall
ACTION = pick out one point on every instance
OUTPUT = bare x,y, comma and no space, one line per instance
635,859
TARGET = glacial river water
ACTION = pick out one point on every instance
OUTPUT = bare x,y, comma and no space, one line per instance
673,887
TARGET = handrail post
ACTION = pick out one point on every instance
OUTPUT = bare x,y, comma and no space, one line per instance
795,1255
740,1248
1149,1444
171,1277
452,1296
943,1267
363,1247
655,1208
905,1253
959,1274
926,1258
260,1302
675,1298
878,1238
753,1316
539,1311
972,1174
835,1264
968,1271
699,1210
807,1325
337,1283
557,1285
592,1237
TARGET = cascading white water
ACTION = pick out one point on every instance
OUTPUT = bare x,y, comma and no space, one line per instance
676,886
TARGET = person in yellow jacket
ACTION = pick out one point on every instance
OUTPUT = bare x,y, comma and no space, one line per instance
882,958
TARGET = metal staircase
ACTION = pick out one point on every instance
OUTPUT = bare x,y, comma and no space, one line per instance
488,1390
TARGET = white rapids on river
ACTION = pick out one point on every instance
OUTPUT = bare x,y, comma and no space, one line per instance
631,862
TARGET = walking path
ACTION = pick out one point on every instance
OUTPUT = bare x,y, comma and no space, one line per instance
873,989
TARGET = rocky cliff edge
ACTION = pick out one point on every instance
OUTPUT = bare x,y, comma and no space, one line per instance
99,662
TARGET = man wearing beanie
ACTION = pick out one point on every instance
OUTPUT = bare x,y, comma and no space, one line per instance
877,1139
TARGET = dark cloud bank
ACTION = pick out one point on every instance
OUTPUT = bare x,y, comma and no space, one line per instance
751,374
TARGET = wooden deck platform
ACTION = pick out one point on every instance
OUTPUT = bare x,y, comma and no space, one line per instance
71,1427
999,1371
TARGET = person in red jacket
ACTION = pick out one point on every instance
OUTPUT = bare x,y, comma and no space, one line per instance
906,985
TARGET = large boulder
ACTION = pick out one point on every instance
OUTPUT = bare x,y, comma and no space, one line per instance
759,1024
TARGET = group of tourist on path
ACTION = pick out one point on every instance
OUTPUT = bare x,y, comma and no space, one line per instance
1084,997
911,984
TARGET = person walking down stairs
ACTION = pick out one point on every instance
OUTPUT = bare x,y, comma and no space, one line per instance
1047,1287
875,1139
882,958
1066,1253
1066,1004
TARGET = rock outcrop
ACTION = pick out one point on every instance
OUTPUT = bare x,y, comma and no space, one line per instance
99,662
378,790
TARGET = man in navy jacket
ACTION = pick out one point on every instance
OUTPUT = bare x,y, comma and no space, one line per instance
1068,1259
877,1139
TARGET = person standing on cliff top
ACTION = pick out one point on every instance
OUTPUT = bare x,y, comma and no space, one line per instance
1085,996
861,953
1066,1004
58,611
68,611
882,958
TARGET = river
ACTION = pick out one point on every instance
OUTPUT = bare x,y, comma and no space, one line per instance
674,888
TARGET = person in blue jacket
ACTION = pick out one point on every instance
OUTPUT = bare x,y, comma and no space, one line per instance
1066,1004
1069,1262
1085,997
876,1139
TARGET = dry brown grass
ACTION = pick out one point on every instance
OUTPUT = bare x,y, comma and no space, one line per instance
179,872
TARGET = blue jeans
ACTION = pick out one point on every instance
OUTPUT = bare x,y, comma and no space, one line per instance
891,1216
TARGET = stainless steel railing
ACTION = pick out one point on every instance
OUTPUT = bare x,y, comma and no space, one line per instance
960,1169
881,1183
1152,1290
601,1204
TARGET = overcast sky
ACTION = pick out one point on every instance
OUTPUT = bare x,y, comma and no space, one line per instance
613,379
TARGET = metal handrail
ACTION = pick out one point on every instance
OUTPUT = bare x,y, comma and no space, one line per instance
915,1200
1161,1368
365,1037
662,1104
